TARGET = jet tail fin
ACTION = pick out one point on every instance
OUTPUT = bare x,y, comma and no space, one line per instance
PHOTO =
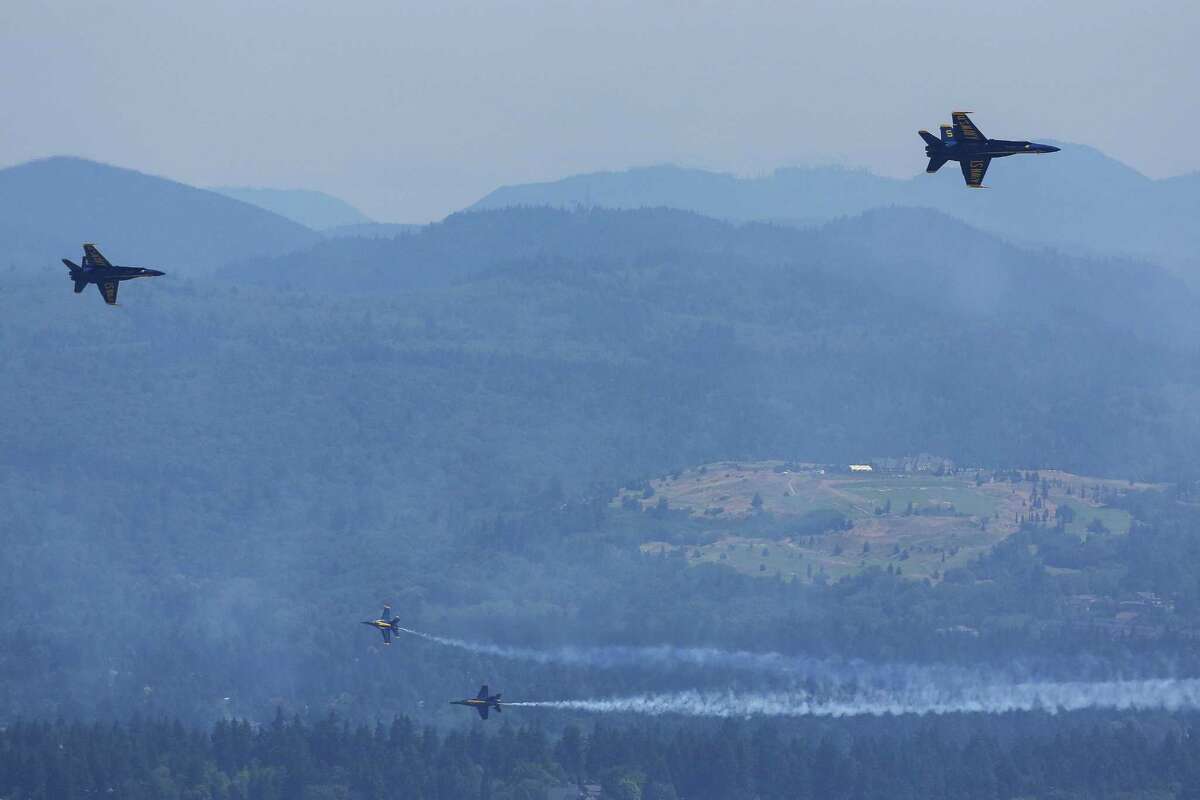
930,139
80,286
935,163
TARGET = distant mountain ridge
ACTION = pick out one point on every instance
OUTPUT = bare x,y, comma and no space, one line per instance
1078,200
312,209
50,206
917,254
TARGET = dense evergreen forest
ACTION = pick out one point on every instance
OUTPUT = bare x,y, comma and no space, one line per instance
1023,756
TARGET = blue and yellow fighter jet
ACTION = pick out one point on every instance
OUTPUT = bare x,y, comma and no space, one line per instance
96,269
387,624
964,143
481,702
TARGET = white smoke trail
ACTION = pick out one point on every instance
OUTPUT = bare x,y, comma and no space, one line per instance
843,688
839,671
626,656
1161,694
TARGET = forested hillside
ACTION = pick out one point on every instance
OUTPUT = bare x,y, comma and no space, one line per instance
895,332
210,485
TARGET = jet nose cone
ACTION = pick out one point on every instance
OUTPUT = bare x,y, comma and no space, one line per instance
1052,149
154,273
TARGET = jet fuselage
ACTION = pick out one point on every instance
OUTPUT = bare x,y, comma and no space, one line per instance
101,274
988,148
482,702
473,702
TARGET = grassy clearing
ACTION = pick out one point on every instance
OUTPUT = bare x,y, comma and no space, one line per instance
834,556
948,496
954,519
1113,519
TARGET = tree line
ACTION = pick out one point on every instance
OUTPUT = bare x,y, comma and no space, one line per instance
1023,756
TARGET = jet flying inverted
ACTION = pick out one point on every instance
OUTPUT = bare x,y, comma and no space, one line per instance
387,624
481,702
97,270
964,143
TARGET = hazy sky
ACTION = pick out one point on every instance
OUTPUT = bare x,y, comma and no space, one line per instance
411,109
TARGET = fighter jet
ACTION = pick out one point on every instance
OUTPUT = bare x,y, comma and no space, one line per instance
964,143
481,702
97,270
387,624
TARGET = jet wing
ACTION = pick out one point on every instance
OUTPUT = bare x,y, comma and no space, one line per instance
964,129
93,257
387,635
483,711
974,170
483,693
387,613
108,290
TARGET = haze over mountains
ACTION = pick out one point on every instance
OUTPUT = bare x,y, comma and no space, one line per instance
312,209
1078,200
49,207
